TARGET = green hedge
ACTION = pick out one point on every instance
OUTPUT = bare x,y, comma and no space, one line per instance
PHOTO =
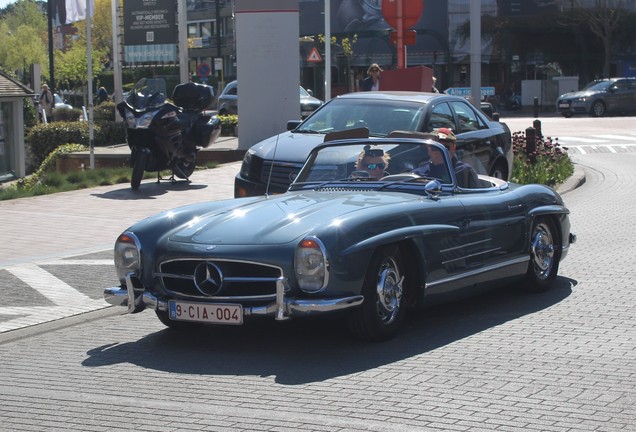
66,114
47,164
43,138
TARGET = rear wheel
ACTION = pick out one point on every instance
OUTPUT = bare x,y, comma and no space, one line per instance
598,109
381,314
566,114
184,169
544,255
139,165
499,171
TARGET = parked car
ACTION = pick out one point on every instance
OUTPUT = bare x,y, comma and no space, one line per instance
227,102
59,102
341,242
270,165
600,97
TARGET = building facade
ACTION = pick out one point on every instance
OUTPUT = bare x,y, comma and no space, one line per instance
12,149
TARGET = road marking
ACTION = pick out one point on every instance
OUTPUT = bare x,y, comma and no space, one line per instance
48,285
616,137
68,301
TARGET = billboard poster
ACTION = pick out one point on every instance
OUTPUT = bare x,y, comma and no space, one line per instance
150,31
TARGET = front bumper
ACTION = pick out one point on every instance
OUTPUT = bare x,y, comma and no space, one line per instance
283,308
573,107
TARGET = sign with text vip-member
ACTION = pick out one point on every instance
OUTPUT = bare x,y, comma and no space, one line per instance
150,33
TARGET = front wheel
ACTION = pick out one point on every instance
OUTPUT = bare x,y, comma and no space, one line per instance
598,109
381,314
544,255
566,114
139,165
184,169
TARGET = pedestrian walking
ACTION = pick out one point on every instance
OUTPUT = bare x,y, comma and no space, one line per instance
46,104
372,82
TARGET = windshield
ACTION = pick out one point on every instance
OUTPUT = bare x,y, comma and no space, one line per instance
381,117
147,93
403,160
598,85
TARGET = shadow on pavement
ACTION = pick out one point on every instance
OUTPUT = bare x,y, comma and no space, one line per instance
304,351
149,190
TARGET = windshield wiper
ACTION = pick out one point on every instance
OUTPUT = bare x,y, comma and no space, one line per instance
309,131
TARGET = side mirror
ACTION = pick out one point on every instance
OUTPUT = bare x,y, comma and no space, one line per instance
293,124
433,189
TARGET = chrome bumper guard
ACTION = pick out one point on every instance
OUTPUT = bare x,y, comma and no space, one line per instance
136,299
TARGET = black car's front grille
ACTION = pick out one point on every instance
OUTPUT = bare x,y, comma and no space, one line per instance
218,279
279,175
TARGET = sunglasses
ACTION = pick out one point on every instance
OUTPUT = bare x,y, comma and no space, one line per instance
373,166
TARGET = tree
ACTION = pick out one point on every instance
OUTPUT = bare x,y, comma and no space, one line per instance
603,19
23,37
71,66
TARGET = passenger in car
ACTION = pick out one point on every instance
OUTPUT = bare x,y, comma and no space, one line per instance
465,174
373,161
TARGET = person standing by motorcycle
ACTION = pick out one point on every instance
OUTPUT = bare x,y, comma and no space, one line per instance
46,104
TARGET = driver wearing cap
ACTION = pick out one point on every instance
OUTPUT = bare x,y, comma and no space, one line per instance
465,174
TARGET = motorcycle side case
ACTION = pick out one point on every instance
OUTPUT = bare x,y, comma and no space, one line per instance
206,130
193,96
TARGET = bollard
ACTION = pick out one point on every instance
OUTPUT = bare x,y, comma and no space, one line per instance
536,107
531,144
537,125
495,116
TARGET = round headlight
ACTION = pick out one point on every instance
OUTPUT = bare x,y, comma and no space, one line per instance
310,264
127,256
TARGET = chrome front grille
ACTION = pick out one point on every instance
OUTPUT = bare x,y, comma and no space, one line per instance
282,173
219,279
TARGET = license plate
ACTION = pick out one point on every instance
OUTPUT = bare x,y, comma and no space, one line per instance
564,105
206,312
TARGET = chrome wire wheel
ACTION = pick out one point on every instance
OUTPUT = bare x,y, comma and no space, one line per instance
389,291
381,314
542,251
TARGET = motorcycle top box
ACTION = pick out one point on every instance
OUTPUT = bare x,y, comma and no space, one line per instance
193,97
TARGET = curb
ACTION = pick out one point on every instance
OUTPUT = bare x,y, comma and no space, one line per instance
574,181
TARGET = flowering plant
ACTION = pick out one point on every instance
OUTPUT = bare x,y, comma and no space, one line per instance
547,163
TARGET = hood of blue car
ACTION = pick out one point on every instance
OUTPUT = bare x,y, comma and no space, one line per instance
580,94
288,146
281,218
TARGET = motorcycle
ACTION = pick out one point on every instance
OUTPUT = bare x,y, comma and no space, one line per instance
164,135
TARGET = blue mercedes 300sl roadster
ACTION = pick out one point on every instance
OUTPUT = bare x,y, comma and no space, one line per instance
367,230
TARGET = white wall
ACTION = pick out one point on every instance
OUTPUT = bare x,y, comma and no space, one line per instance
268,59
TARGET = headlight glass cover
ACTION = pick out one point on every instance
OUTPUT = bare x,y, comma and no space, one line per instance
127,256
310,265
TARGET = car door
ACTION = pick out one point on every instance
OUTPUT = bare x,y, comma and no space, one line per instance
475,140
495,227
624,95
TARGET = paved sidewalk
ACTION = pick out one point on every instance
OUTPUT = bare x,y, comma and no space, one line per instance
72,223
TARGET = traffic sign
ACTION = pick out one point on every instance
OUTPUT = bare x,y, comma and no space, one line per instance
411,12
466,91
314,56
204,70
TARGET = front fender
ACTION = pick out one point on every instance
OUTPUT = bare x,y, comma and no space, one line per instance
397,235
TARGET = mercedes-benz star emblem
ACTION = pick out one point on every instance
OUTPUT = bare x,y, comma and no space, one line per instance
208,278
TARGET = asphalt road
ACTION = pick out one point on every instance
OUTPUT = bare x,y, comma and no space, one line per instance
561,361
